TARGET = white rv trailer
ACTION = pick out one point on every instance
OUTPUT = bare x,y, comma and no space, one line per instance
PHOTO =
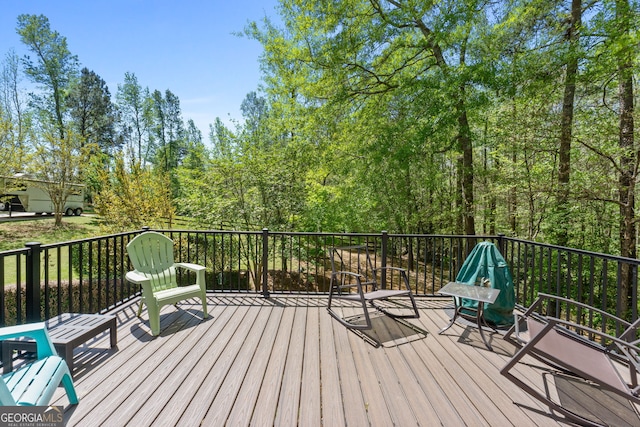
27,194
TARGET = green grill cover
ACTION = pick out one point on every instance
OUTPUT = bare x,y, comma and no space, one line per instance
485,262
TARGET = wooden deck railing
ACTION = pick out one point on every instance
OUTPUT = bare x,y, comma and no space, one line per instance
41,281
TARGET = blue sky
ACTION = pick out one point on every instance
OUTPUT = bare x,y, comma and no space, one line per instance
186,46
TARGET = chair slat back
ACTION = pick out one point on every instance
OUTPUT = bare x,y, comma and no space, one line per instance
151,254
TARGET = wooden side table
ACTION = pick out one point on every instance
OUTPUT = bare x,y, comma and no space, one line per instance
67,331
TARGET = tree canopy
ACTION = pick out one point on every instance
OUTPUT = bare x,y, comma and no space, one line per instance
413,117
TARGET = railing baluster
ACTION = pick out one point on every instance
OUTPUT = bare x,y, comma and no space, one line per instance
33,282
47,292
265,262
3,301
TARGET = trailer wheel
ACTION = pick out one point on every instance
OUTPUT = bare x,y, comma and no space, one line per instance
78,212
68,212
3,206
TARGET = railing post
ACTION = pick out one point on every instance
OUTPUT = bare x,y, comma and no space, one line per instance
265,262
501,243
33,282
385,242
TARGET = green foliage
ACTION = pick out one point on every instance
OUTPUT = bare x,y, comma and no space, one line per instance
94,116
15,122
58,162
54,67
406,116
7,145
131,199
134,104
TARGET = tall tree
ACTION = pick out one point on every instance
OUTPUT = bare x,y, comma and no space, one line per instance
222,139
196,152
625,57
54,67
566,121
92,112
168,129
135,107
358,51
254,111
14,119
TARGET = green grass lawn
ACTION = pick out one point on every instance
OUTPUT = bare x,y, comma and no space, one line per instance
14,234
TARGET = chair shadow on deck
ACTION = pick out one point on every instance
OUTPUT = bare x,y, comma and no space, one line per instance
590,400
386,331
471,336
181,318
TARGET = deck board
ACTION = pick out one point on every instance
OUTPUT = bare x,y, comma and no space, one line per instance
222,404
215,374
370,387
245,402
332,409
266,403
351,393
285,361
221,332
289,399
310,409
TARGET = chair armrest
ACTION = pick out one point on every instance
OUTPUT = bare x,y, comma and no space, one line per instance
140,279
536,310
359,277
358,280
542,296
137,278
196,268
36,331
348,273
402,271
190,266
16,331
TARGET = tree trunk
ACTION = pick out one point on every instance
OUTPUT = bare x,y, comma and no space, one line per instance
464,198
466,145
628,159
564,168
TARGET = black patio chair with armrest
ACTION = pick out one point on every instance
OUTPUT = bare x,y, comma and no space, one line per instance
362,287
610,362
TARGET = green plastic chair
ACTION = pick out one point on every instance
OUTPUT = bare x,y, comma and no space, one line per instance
151,254
34,383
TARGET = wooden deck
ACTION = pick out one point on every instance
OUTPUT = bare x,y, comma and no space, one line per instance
284,361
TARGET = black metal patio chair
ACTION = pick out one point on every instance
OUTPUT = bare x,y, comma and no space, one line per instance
355,279
586,352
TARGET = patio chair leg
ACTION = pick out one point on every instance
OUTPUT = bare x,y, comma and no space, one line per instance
67,383
203,298
154,319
